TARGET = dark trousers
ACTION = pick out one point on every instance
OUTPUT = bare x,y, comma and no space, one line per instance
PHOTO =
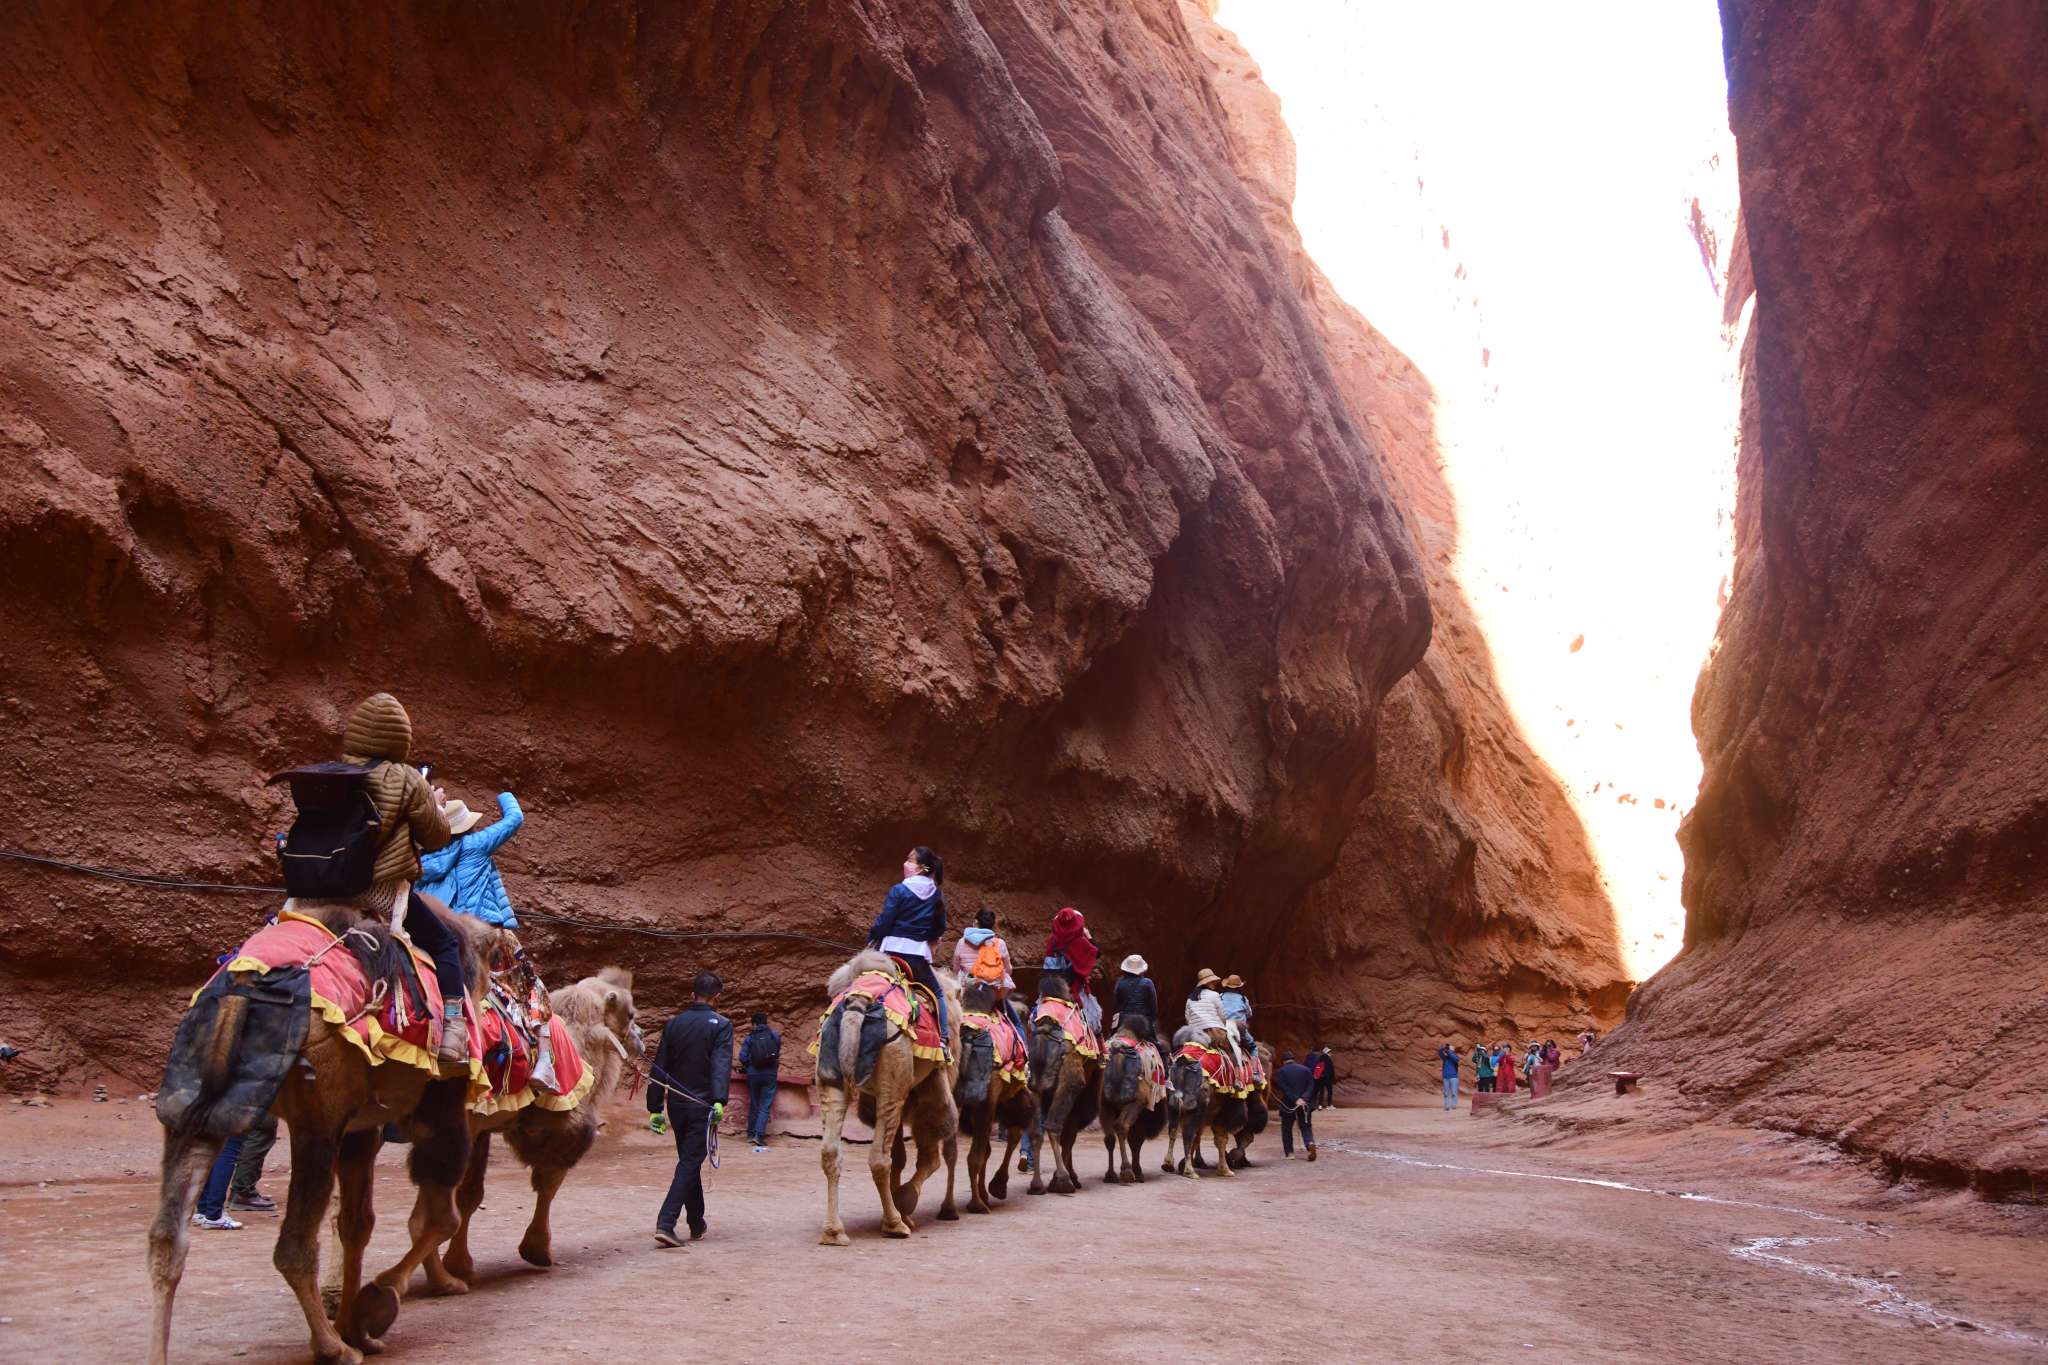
439,942
256,1145
760,1104
1486,1085
1290,1115
1326,1091
215,1195
686,1189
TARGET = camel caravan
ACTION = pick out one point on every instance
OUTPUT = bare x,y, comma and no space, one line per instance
390,999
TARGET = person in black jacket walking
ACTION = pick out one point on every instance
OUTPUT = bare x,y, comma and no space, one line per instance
1325,1068
691,1081
1296,1086
761,1059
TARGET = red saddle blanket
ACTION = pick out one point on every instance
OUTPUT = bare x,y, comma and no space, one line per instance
403,1025
1149,1058
1012,1064
1072,1022
910,1011
1220,1072
510,1067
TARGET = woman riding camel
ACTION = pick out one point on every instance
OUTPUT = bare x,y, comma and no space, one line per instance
1071,953
913,920
409,819
981,955
1205,1014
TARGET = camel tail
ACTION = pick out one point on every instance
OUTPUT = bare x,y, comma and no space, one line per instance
218,1067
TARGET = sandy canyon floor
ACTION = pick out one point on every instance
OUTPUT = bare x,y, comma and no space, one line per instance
1417,1236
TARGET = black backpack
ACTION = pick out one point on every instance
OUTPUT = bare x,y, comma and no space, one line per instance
330,852
759,1043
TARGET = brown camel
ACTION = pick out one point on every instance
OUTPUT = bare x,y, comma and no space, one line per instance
599,1014
1133,1112
335,1102
1068,1086
1196,1105
986,1098
900,1087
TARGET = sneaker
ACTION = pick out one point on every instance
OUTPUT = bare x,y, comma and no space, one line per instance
255,1201
697,1231
220,1224
1288,1156
758,1149
667,1237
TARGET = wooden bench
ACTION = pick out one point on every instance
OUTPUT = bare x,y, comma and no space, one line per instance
1624,1081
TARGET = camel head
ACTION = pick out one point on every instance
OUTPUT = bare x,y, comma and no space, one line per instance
600,1005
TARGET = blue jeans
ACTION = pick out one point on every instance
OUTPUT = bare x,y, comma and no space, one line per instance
214,1197
1450,1092
760,1105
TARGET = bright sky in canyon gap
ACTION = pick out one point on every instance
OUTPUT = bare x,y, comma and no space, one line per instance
1506,191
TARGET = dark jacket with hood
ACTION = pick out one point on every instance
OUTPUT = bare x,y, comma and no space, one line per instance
912,912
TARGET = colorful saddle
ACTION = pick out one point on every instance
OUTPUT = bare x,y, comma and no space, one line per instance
391,1021
1219,1072
1149,1058
1012,1062
509,1053
1072,1022
913,1011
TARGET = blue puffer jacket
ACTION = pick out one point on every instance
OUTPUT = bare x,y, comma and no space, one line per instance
463,875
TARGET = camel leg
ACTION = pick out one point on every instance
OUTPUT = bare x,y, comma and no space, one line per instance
1038,1152
1073,1177
456,1263
1109,1146
535,1247
297,1256
1000,1186
355,1218
832,1112
891,1081
187,1159
978,1124
934,1123
1061,1142
440,1156
949,1151
1134,1138
1222,1152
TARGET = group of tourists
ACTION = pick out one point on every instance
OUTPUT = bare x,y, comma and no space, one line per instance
1495,1065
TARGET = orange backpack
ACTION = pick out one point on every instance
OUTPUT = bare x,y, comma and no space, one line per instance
988,962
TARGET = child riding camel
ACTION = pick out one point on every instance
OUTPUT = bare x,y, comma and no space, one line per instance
981,955
913,919
409,819
464,875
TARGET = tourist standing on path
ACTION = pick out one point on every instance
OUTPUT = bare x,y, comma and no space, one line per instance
1504,1068
1325,1068
1448,1055
256,1145
692,1078
1482,1064
1296,1085
761,1056
913,920
211,1213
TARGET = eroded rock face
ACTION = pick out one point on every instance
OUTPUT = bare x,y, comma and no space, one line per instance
1866,883
762,437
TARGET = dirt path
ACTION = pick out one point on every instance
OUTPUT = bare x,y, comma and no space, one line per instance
1418,1236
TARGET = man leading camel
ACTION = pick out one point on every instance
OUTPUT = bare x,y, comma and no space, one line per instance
691,1082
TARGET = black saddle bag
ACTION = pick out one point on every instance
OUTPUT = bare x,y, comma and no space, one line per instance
233,1049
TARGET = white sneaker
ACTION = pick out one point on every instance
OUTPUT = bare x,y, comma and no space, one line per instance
759,1148
220,1224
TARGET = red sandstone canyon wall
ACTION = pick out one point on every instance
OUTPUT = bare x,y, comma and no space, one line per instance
1866,882
762,436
